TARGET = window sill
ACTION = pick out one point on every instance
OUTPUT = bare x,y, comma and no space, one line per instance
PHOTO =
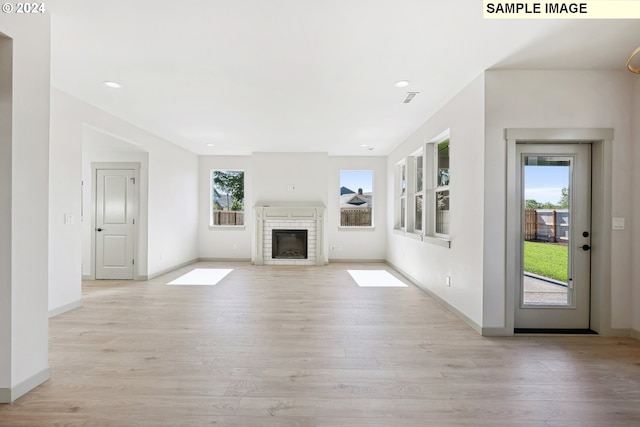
226,227
409,234
438,241
356,228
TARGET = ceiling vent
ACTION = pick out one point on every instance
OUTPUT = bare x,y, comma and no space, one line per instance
409,97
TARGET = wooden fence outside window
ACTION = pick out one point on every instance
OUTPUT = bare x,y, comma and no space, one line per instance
355,217
228,218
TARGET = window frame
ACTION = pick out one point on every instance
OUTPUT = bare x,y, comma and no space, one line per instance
212,225
442,188
418,190
357,227
400,211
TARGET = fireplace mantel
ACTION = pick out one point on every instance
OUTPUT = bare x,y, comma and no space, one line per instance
286,216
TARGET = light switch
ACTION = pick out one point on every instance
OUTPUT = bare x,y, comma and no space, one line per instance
68,219
617,223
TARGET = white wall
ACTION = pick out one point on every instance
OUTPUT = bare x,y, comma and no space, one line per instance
425,262
557,99
172,193
225,243
24,195
273,173
100,147
173,207
65,186
368,244
6,66
316,178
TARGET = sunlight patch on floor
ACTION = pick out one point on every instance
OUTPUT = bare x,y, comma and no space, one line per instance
201,276
376,278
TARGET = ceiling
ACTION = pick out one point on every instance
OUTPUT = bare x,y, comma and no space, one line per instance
302,75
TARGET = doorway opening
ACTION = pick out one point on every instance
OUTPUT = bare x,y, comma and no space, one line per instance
555,283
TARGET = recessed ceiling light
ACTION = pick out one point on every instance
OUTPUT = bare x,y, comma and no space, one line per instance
403,83
113,85
363,145
210,145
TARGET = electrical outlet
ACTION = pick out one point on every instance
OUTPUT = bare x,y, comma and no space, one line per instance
448,281
332,247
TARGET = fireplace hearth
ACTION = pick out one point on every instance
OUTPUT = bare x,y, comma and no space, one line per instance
289,244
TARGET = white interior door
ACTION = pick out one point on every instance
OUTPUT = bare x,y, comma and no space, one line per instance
554,187
115,222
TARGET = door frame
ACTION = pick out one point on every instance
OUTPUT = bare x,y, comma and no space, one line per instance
95,166
601,140
575,312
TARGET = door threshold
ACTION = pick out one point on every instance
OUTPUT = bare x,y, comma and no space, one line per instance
554,331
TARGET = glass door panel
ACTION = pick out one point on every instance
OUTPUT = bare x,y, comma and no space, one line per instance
546,237
553,185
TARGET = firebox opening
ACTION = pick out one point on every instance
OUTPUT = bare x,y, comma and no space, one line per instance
289,244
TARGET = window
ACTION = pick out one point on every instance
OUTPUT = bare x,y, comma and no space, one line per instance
443,179
227,198
418,195
421,196
401,197
356,198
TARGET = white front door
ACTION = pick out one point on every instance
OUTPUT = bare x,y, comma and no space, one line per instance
554,187
115,222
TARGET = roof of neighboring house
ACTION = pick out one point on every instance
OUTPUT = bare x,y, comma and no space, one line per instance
345,190
353,200
221,199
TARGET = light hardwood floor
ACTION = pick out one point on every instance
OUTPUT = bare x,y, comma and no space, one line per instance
307,347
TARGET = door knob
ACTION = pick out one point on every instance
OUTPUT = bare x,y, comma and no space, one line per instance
586,247
98,229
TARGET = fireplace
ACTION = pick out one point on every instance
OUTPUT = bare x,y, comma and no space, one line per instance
289,244
308,218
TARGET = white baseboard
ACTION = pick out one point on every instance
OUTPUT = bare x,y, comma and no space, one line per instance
620,332
473,325
356,261
615,332
497,332
87,277
224,259
8,395
67,307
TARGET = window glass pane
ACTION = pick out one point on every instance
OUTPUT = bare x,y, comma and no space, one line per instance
442,212
443,164
228,197
418,213
356,198
403,182
419,169
403,208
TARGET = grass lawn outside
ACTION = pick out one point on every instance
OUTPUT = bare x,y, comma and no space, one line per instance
547,259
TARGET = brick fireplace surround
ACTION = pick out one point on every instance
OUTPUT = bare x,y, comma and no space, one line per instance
310,218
